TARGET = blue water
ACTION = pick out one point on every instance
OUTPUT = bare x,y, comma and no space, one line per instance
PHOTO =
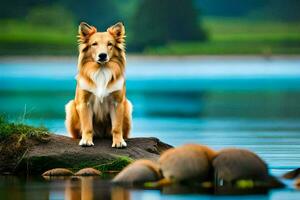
246,102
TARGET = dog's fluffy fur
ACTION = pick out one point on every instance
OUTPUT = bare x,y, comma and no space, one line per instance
100,106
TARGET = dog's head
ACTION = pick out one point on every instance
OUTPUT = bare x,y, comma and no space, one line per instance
101,46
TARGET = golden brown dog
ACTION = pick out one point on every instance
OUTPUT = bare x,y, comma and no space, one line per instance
100,106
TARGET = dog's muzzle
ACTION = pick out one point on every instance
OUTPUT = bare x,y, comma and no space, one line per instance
102,57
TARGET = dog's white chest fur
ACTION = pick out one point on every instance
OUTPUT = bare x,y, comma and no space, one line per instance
101,78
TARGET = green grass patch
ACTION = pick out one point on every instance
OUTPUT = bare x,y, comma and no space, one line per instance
106,166
115,165
8,129
15,140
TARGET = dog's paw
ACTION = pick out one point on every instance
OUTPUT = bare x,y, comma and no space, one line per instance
119,143
86,142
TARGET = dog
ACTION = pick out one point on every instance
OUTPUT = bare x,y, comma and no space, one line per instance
100,107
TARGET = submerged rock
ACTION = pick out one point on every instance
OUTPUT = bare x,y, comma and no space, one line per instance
88,172
238,164
297,183
188,162
292,174
140,171
243,169
67,172
58,172
229,171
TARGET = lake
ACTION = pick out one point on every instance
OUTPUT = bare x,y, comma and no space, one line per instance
247,102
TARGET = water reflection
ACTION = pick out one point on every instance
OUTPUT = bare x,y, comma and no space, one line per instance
86,188
89,188
81,188
20,187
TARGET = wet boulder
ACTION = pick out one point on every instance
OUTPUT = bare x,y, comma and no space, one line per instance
188,162
242,168
140,171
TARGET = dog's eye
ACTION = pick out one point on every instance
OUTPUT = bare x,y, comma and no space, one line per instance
94,44
109,44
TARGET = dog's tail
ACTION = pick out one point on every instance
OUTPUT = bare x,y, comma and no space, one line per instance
127,121
72,122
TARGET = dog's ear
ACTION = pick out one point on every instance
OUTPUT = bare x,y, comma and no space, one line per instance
118,32
85,30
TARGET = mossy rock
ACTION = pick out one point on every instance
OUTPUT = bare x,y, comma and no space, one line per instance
38,156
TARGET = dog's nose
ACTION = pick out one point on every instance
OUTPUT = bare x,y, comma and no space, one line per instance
102,56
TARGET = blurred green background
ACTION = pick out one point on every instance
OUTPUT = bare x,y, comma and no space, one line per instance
168,27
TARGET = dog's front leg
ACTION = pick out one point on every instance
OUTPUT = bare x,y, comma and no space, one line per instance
116,115
86,122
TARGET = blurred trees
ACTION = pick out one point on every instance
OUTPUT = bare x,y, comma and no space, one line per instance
229,8
19,8
148,22
47,16
101,13
158,22
104,12
285,10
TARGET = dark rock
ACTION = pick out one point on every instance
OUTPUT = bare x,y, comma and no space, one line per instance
242,168
292,174
64,152
297,183
238,164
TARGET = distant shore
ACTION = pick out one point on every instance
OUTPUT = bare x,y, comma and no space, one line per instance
149,57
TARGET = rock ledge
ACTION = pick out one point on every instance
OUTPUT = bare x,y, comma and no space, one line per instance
63,152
